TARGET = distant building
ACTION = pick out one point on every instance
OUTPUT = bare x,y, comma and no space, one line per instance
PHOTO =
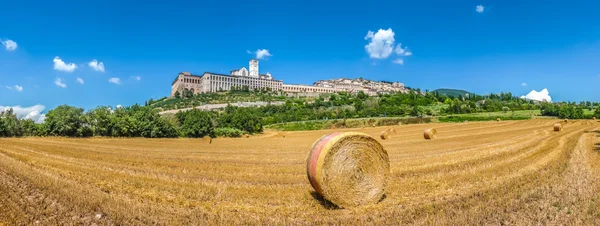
210,82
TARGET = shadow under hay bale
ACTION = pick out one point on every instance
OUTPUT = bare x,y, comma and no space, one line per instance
558,127
430,134
348,169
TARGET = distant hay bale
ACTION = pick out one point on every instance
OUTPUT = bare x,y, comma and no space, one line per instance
384,135
246,135
374,124
594,118
391,130
566,120
498,119
206,140
430,134
348,169
280,135
557,127
399,123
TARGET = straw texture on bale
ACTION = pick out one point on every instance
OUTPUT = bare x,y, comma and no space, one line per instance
384,135
206,140
348,169
557,127
430,134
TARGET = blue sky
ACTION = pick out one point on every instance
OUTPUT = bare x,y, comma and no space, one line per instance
553,45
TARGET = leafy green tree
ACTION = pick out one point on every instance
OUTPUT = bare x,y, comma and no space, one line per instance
195,123
67,121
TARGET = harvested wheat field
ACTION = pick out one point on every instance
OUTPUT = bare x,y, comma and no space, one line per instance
507,172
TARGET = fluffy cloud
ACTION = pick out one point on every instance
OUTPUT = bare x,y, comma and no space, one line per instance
398,61
115,80
60,83
34,112
523,84
9,44
97,66
402,51
138,78
479,8
382,44
262,53
60,65
543,95
80,80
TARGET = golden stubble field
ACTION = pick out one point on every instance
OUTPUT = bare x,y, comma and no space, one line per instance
509,172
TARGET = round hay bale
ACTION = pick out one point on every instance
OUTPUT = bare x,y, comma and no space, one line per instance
557,127
384,135
374,124
594,118
246,136
206,139
430,134
280,135
400,123
392,130
348,169
498,119
566,120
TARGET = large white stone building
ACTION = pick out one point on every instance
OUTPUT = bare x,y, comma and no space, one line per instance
213,82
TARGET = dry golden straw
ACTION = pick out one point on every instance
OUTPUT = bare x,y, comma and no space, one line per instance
280,135
349,169
566,120
498,119
430,134
557,127
246,136
594,118
206,139
384,135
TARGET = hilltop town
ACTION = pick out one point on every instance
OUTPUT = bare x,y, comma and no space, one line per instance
251,79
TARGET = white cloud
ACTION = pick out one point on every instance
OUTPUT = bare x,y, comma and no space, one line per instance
97,66
479,8
115,81
119,106
248,52
398,61
80,80
523,84
138,78
9,44
33,112
60,83
19,88
402,51
381,44
543,95
60,65
262,53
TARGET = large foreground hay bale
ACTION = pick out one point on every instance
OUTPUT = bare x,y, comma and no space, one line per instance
430,134
348,169
557,127
206,139
384,135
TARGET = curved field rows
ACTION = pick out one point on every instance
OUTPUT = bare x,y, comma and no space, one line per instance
510,172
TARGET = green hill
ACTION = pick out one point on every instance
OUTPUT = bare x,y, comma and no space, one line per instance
453,92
